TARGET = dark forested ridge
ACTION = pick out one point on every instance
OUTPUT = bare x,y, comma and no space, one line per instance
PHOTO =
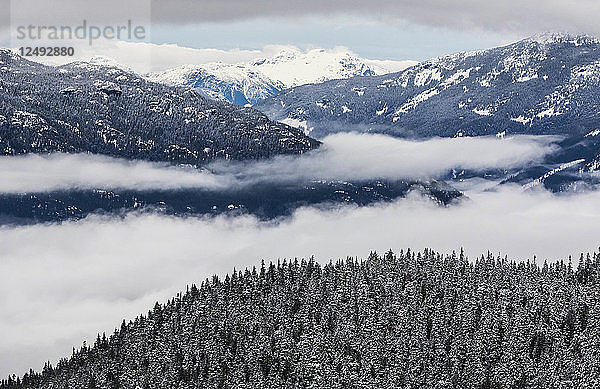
264,200
394,321
103,110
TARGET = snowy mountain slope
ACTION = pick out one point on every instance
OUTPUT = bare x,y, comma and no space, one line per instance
237,84
544,85
251,82
83,107
548,84
412,319
292,67
573,167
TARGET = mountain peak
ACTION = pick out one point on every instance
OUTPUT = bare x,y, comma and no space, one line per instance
103,60
286,54
563,37
248,83
543,84
9,55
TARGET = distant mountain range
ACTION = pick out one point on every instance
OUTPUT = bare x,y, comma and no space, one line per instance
254,81
548,84
83,107
543,85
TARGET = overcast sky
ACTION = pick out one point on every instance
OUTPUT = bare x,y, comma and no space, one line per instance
380,29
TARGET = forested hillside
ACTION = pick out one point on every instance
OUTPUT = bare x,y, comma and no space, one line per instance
265,200
402,320
82,107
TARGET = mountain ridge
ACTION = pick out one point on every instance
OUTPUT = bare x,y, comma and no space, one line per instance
253,81
87,107
548,84
520,88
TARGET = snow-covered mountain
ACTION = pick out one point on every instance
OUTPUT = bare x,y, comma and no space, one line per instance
547,84
238,84
254,81
84,107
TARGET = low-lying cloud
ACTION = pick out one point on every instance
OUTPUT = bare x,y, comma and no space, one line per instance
353,156
342,157
61,283
45,173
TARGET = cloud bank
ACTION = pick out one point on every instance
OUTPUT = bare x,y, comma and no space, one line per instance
46,173
62,283
342,157
144,57
353,156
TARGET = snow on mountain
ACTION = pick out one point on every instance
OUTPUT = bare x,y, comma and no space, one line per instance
85,107
294,67
548,84
238,84
256,80
102,60
558,37
545,85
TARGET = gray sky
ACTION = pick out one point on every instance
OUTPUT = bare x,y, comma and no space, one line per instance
508,15
394,29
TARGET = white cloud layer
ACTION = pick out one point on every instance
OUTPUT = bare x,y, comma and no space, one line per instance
143,57
44,173
353,156
342,157
61,283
